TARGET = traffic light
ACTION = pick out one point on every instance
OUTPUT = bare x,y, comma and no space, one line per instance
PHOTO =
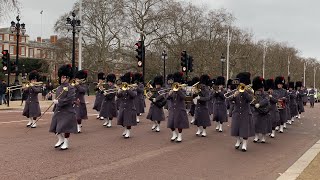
190,64
12,67
184,61
5,59
140,50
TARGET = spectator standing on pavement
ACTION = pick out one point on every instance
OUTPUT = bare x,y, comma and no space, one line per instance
4,90
1,93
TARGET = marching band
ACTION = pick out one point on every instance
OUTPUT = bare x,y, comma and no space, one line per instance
257,108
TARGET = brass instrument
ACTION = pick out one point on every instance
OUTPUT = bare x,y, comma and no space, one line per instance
196,88
175,87
110,91
13,88
281,104
241,88
230,93
125,86
75,82
28,84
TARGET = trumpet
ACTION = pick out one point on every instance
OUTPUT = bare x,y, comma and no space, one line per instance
125,86
241,88
28,84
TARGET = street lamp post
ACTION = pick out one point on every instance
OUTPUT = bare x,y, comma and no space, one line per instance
223,60
228,52
314,77
164,56
304,73
264,60
74,25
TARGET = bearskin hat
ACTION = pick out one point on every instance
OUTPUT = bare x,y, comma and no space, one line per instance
279,80
244,77
257,83
82,74
65,70
195,80
291,85
285,86
220,81
137,77
298,84
158,80
170,76
204,79
177,77
111,78
269,84
126,78
101,76
34,75
229,82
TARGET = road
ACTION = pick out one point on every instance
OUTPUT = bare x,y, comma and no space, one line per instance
102,153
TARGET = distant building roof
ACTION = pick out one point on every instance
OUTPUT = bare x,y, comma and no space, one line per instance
8,31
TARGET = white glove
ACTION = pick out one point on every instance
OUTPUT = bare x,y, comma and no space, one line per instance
105,93
55,101
119,91
198,97
257,105
154,100
270,95
195,101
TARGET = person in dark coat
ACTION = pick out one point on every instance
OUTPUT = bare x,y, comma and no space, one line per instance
311,97
4,90
32,107
64,117
156,113
274,112
286,86
193,106
232,88
127,116
109,107
99,96
261,108
305,95
293,103
202,117
178,118
300,96
242,126
167,86
139,99
211,102
282,98
228,89
219,106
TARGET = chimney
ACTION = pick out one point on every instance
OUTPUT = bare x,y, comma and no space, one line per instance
39,39
53,39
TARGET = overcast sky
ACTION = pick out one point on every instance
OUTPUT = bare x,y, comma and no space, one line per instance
294,21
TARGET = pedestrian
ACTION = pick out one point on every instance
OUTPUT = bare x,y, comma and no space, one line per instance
99,96
108,107
282,98
64,118
242,126
32,108
139,99
300,97
274,112
4,90
261,107
81,88
156,112
202,117
220,107
44,92
178,118
311,97
127,116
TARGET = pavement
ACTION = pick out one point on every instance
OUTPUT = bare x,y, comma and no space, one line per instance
312,171
102,153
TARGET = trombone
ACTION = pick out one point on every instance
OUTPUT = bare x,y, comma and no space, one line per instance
75,82
175,87
125,86
28,84
241,88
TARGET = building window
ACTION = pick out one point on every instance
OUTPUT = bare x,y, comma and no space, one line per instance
39,53
11,49
11,38
23,39
30,52
1,37
23,51
1,48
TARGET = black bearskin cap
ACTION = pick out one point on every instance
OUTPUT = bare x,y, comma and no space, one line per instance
158,80
82,74
101,75
211,82
137,77
65,70
111,78
229,82
285,86
204,79
177,77
34,75
279,80
220,81
291,85
257,83
170,76
126,78
195,80
298,84
244,77
269,84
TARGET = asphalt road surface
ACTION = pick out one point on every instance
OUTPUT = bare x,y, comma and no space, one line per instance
102,153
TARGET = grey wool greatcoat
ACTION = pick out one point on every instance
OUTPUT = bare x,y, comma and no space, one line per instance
127,111
64,117
293,103
32,107
139,99
262,122
98,101
311,95
274,112
168,104
210,103
178,117
202,117
80,106
288,107
282,94
156,113
300,97
305,96
242,124
109,107
220,107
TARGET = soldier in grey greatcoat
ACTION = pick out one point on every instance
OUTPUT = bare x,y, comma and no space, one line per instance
220,106
261,110
242,126
311,97
286,87
156,113
80,105
274,112
202,117
193,106
99,96
178,118
282,98
305,95
168,85
64,117
32,108
127,116
211,102
109,107
293,103
139,99
300,96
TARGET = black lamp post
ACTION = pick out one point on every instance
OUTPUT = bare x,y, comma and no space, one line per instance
164,56
73,24
223,60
